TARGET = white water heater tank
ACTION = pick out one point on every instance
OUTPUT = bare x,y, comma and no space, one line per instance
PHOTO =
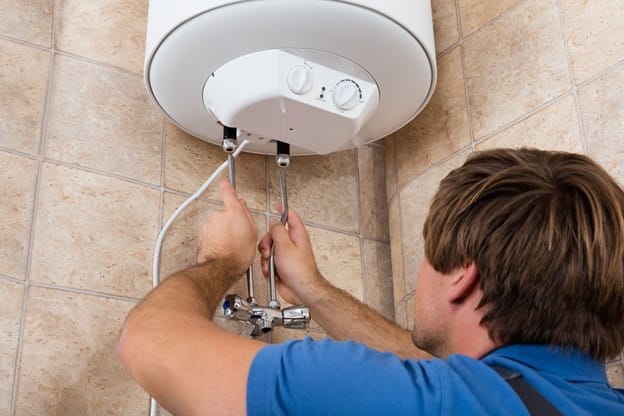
322,75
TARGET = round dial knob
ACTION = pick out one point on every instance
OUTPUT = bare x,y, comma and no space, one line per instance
346,94
300,79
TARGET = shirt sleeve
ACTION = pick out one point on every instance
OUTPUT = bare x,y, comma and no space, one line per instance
340,378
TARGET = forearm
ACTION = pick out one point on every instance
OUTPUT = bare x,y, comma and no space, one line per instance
196,290
346,318
157,329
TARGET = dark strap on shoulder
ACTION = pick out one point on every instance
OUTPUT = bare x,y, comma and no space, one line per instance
535,403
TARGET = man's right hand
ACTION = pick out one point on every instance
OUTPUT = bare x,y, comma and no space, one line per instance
296,270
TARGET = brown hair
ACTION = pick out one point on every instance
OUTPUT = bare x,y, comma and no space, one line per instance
546,231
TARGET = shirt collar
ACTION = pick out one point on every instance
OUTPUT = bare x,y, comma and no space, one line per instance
568,363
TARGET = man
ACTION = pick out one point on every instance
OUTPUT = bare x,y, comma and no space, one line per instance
524,271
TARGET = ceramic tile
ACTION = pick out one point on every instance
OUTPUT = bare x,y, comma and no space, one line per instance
373,207
400,314
103,119
68,364
190,161
108,31
554,128
390,166
322,189
445,28
514,65
602,110
280,335
30,21
415,200
180,244
377,270
339,260
409,312
594,31
17,187
23,85
11,297
615,375
396,250
441,129
476,13
94,232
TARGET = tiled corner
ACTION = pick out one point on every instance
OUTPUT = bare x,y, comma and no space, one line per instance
68,364
594,31
103,119
30,21
615,375
107,31
322,189
476,13
17,187
396,250
189,161
390,166
415,200
11,297
445,29
94,232
377,270
180,244
23,85
602,109
441,129
515,65
373,206
339,259
555,127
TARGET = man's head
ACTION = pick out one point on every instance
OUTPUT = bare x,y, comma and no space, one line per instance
545,231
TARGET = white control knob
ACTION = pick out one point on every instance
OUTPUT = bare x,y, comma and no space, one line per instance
300,79
346,94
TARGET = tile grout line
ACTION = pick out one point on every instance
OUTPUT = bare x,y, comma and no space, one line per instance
491,21
163,159
566,47
102,173
602,73
33,223
11,279
402,244
70,55
462,54
525,116
84,292
358,191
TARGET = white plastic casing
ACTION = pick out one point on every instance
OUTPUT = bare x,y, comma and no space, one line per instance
255,91
204,66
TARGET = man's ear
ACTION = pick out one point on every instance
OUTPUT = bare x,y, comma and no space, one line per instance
465,280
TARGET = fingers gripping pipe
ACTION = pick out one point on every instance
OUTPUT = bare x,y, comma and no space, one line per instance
262,319
229,146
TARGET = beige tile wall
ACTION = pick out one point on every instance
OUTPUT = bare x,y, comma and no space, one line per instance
90,168
541,73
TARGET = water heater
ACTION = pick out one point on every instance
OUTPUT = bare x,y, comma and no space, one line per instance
321,75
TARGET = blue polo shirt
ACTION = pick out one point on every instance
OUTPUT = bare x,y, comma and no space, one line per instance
345,378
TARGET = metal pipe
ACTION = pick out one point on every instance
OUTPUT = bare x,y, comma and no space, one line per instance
283,160
229,146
